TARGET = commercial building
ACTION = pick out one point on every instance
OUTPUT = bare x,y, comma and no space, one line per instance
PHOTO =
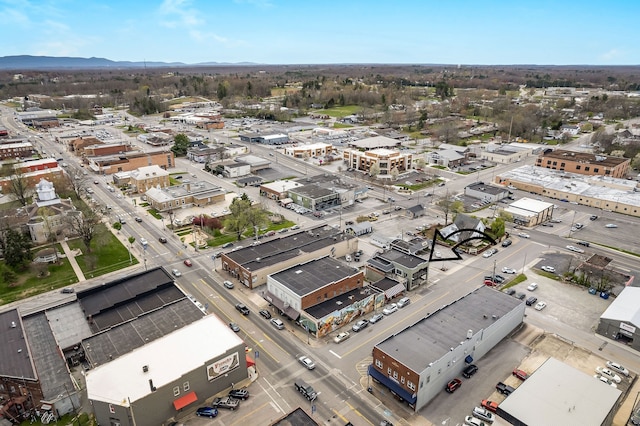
416,363
187,194
408,269
584,163
621,320
308,151
530,212
602,192
385,159
485,192
252,265
130,161
143,179
558,394
322,294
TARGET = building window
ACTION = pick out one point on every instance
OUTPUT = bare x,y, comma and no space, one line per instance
562,164
389,371
378,363
402,380
578,167
596,170
185,386
176,391
395,375
587,168
411,385
428,379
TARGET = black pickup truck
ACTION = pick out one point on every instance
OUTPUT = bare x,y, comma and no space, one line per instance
504,389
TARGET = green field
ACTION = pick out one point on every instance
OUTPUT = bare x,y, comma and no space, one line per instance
340,111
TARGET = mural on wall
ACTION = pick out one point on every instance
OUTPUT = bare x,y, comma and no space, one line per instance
340,317
223,366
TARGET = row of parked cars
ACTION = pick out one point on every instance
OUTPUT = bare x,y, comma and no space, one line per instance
229,402
364,323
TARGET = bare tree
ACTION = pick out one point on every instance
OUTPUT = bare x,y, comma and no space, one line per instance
19,187
84,224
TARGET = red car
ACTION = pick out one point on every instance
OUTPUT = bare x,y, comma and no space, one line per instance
489,283
188,262
453,385
490,405
522,375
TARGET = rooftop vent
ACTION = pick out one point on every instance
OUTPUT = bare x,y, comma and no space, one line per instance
145,368
13,324
469,334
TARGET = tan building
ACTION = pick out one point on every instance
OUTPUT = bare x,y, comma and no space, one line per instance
131,161
308,151
143,179
386,159
252,265
584,163
188,194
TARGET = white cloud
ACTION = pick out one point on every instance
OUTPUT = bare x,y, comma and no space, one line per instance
178,13
611,54
263,4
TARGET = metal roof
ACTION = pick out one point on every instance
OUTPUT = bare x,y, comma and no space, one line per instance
308,277
625,307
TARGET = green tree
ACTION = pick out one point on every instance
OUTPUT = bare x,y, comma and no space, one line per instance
443,90
16,247
497,227
222,90
181,144
237,222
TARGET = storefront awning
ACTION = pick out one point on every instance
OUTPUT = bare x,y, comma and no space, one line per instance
395,387
250,361
185,400
394,291
278,303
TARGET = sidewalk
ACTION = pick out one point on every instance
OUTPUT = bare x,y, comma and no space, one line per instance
72,261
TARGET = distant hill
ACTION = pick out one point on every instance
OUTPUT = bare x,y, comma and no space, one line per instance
27,62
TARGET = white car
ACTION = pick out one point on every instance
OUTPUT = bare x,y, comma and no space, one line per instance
176,273
605,372
489,253
548,269
472,421
540,306
390,309
532,286
617,368
576,249
523,235
611,225
605,380
307,362
506,270
341,337
483,414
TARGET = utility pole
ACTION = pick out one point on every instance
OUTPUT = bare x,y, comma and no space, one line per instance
493,276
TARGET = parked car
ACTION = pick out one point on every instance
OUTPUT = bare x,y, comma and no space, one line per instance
593,217
403,302
225,402
228,284
490,283
504,389
374,319
605,372
453,385
264,313
243,309
227,245
67,290
520,296
341,337
635,417
489,253
307,362
239,394
540,306
470,370
520,374
496,278
277,323
617,368
473,421
210,412
531,301
532,286
605,380
391,308
506,270
547,268
510,291
489,405
360,325
235,327
188,262
576,249
506,243
483,414
583,243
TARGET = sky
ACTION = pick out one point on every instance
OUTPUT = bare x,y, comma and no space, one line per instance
491,32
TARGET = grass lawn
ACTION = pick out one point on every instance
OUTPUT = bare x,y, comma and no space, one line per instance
29,283
340,111
107,255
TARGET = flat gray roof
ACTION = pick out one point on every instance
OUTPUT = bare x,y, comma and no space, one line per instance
47,358
68,324
14,349
431,337
558,394
489,189
124,338
318,273
409,261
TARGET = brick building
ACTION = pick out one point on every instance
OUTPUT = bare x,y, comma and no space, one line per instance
584,163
